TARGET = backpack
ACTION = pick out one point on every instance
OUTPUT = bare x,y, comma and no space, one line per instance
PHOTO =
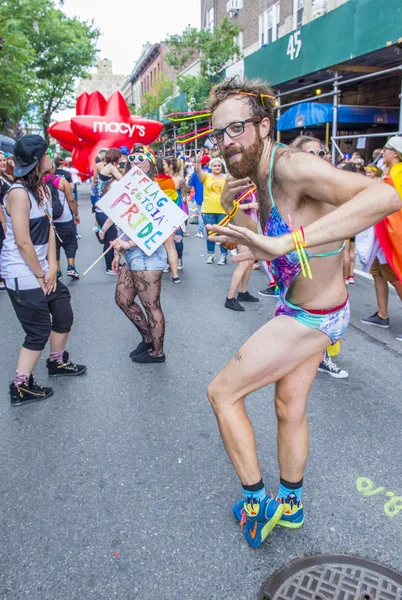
57,206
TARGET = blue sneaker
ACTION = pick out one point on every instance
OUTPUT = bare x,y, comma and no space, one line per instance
292,518
259,518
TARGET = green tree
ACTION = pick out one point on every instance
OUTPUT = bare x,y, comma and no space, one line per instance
214,48
16,77
161,90
64,49
44,52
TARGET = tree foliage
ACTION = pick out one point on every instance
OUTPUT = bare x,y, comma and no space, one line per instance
161,90
44,52
213,49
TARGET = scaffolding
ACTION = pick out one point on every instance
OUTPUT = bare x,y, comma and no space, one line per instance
337,82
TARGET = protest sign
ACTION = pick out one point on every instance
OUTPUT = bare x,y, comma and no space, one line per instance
138,206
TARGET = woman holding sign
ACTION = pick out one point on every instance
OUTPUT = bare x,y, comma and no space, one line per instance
141,277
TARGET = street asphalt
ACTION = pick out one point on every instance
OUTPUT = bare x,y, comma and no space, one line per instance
118,487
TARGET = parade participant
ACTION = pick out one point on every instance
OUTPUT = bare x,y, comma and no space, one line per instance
141,277
308,143
125,151
387,266
28,265
243,270
212,209
167,185
199,193
107,230
65,224
172,170
5,185
326,206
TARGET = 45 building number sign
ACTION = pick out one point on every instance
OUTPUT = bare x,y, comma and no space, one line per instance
294,45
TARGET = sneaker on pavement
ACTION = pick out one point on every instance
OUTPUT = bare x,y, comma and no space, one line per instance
399,338
166,269
175,279
141,348
2,286
259,518
234,304
199,235
186,234
246,297
210,259
72,272
327,365
57,369
148,358
292,518
222,261
110,272
376,321
180,264
351,279
59,275
269,292
78,236
28,392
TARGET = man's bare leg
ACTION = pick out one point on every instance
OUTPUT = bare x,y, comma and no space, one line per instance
291,395
274,351
382,293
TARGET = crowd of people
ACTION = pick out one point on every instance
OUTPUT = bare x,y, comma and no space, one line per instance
281,200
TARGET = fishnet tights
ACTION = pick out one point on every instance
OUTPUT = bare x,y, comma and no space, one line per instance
147,286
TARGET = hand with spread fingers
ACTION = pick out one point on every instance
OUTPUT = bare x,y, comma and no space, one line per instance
261,247
232,189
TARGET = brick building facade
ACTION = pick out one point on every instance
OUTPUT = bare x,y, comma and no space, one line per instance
147,73
264,21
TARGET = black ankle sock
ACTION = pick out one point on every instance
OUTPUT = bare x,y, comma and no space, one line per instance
256,487
291,486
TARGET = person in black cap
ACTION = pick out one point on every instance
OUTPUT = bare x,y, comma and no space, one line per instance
28,265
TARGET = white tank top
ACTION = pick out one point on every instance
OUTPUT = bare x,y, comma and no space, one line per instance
13,267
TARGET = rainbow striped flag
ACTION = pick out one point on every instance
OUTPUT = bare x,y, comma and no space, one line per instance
389,230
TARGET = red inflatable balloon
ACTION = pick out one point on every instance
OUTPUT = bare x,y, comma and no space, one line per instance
100,124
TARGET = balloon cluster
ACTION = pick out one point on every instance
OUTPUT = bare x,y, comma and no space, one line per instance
101,124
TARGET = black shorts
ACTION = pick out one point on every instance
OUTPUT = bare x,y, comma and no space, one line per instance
40,314
69,240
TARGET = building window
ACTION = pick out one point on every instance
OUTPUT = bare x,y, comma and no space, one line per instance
298,6
154,74
150,78
268,23
210,19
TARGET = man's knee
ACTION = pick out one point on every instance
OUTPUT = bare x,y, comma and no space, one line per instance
289,408
219,396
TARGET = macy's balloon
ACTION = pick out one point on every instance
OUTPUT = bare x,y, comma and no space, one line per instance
100,124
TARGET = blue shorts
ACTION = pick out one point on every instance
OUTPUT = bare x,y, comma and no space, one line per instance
137,260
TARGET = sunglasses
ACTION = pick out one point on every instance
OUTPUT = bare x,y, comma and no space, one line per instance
320,153
137,158
49,153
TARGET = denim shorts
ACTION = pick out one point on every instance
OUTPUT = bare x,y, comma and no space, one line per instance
137,260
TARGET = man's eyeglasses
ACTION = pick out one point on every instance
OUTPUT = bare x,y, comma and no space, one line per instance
137,158
320,153
233,130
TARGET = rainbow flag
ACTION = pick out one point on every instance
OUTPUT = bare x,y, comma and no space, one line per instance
389,230
168,187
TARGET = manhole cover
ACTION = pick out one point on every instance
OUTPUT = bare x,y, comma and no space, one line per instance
333,577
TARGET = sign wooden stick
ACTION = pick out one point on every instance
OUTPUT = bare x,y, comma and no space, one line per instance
101,256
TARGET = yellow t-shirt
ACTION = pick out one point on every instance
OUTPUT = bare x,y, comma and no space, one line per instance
212,195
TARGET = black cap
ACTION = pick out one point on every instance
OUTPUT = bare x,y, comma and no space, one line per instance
28,151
